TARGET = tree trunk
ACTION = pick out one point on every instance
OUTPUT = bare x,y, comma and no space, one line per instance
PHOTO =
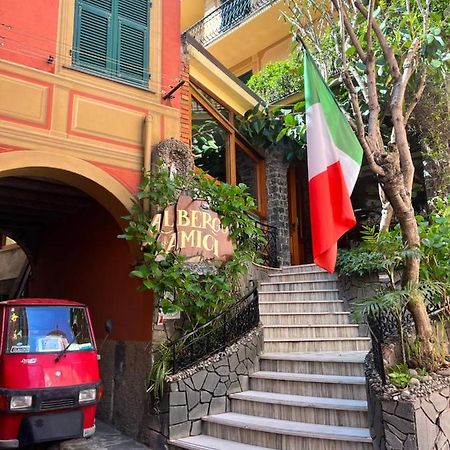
400,200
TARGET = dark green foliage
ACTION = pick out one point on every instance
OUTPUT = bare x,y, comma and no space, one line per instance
284,127
435,242
384,251
378,251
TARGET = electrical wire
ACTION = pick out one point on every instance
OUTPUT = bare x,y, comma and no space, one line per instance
36,52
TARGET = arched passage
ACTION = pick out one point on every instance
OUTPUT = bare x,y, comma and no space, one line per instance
112,195
77,254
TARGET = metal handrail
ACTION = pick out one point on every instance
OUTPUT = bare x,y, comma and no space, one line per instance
267,251
383,327
224,18
220,332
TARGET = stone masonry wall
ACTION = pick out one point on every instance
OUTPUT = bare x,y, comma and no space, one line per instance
202,390
408,422
277,200
420,425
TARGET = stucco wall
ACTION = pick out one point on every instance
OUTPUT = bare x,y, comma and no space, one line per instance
82,259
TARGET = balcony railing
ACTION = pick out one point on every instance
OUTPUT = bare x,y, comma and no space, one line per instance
226,17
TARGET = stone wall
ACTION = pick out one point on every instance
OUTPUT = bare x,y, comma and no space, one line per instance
277,200
405,421
354,288
124,366
203,390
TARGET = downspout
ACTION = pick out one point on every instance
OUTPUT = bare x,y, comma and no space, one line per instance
147,141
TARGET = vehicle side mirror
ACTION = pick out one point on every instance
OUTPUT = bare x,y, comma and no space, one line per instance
108,326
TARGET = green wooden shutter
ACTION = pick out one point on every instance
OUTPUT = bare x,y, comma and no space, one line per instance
133,36
111,37
93,35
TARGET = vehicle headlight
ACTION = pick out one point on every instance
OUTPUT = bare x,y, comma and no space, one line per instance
87,395
21,402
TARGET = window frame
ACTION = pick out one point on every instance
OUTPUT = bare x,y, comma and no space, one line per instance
234,140
113,48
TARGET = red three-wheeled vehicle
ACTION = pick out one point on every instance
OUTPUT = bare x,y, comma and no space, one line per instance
49,375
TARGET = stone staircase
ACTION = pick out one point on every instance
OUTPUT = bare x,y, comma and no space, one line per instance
309,393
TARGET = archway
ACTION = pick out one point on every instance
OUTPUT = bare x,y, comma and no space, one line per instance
111,194
66,214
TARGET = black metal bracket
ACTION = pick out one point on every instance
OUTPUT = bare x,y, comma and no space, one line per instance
169,95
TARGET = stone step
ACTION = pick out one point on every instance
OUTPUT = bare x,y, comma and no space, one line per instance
310,331
325,363
205,442
324,294
290,318
320,410
293,306
285,434
316,344
302,269
296,285
318,385
303,276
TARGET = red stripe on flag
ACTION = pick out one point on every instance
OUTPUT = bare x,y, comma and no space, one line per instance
331,214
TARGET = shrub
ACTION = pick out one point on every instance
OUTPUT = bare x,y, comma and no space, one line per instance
277,80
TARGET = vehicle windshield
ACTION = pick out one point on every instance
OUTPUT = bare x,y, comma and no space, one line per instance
45,329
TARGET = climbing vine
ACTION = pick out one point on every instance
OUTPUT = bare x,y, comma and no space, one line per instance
198,292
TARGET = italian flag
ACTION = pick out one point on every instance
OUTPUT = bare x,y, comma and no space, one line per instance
334,160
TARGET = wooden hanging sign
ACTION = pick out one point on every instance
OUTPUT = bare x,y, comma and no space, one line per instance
190,227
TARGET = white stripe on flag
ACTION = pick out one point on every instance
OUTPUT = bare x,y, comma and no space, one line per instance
322,152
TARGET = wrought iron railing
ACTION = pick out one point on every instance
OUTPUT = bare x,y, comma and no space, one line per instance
267,251
226,17
384,328
214,336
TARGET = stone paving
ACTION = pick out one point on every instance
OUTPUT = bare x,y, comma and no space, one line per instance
105,438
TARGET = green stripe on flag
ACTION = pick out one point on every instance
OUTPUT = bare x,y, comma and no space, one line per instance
317,91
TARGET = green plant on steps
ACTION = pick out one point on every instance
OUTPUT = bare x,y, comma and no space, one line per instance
160,370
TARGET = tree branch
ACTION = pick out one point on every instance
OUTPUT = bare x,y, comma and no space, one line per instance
350,30
368,150
374,104
399,137
417,94
385,47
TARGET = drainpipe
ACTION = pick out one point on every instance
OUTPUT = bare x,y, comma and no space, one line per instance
147,138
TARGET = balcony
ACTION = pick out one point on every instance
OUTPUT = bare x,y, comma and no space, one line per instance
223,19
251,26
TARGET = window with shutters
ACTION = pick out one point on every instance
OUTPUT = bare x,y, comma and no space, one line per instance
111,38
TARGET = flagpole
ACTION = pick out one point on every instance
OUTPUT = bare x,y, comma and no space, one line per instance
298,38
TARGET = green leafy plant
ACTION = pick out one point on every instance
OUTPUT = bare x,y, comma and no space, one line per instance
379,251
435,241
385,301
384,251
161,368
278,80
198,296
276,126
399,375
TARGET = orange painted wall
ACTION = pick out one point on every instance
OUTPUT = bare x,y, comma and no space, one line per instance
28,32
171,48
83,260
